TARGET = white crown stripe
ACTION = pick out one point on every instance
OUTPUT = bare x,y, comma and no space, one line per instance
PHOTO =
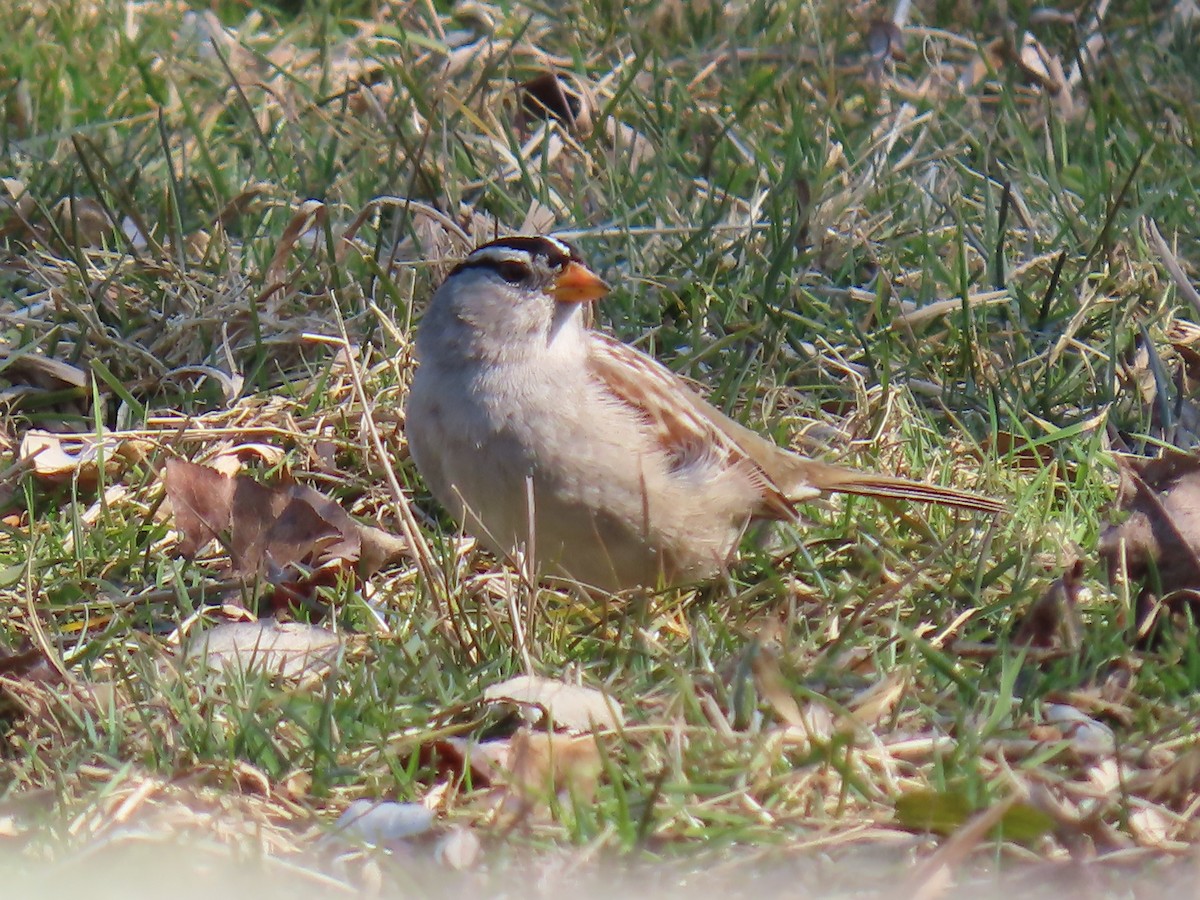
500,255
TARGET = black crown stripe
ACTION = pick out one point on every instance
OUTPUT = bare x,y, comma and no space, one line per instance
556,253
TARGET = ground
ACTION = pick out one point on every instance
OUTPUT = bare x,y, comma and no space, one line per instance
942,241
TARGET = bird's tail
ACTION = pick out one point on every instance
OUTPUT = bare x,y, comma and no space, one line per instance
825,477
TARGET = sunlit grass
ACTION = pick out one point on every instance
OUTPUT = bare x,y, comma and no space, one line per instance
880,267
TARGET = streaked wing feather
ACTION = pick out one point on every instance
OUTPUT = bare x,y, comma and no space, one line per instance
688,428
691,425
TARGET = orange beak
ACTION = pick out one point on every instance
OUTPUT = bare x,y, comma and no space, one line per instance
578,284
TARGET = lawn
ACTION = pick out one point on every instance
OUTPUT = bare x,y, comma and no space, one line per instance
949,242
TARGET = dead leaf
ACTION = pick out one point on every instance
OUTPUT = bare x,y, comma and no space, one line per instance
383,822
231,384
458,849
1172,265
250,198
83,222
568,706
455,757
1053,620
1105,776
40,371
539,219
870,706
809,723
1039,65
1036,64
1178,784
20,663
1025,455
1094,700
297,785
307,220
1087,736
542,762
62,457
630,147
38,686
1151,827
114,495
266,526
561,97
769,680
1162,532
229,460
885,40
15,196
291,650
1175,615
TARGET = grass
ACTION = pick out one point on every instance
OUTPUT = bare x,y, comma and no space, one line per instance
896,268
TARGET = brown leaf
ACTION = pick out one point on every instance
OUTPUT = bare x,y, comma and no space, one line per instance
1025,455
869,707
40,371
1053,620
307,220
39,686
1173,615
567,100
568,706
229,460
773,687
1038,64
265,526
83,222
885,40
250,198
542,762
22,662
15,196
1162,531
202,501
1178,783
806,724
454,757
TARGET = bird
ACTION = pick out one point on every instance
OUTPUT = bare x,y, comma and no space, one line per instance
555,444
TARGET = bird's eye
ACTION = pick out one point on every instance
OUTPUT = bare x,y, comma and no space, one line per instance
513,272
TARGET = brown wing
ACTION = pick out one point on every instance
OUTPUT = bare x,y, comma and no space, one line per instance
800,478
688,428
690,425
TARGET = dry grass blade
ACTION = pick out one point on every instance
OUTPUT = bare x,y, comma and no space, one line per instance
307,220
1170,262
885,236
417,544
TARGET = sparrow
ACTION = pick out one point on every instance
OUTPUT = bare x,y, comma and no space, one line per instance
554,443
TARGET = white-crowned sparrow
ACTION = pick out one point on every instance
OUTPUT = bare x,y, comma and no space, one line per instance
543,436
